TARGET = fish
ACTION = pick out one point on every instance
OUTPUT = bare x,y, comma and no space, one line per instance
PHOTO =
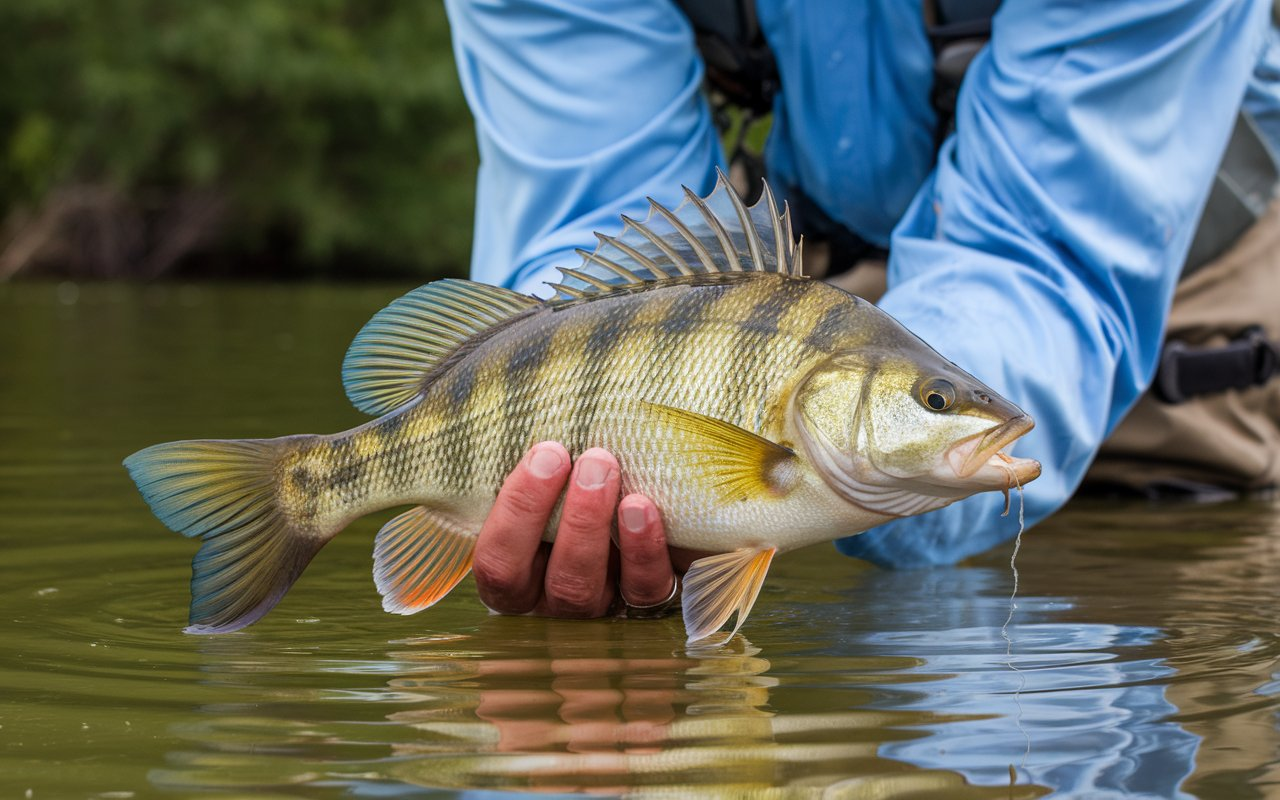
761,410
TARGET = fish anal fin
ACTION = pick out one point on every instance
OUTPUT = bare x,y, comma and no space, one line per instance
418,558
393,356
734,463
719,586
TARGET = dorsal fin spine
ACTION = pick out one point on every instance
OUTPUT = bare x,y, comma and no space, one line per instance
596,282
701,236
569,292
699,249
779,242
713,222
612,266
790,239
755,248
630,252
670,252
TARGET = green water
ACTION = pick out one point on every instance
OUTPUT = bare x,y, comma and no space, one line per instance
1146,640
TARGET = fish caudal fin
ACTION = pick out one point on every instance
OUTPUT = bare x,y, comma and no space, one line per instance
418,558
225,492
717,586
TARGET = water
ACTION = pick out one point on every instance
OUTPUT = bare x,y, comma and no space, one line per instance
1146,638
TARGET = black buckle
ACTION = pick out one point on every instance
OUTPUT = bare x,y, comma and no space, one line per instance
1185,372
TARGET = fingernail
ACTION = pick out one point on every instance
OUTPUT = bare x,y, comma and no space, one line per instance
592,472
632,518
545,461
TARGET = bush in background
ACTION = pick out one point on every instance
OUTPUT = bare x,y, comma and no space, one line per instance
144,137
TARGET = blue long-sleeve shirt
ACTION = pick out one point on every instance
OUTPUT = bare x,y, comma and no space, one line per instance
1040,252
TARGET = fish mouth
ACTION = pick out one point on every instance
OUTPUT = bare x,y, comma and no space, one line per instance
984,449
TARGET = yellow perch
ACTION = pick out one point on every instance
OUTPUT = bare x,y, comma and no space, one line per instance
762,411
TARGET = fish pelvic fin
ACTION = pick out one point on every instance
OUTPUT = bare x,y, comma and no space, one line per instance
719,586
733,463
703,236
418,558
226,493
399,351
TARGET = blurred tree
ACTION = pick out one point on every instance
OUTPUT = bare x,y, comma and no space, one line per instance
139,137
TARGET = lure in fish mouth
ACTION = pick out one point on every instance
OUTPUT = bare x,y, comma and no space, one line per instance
981,457
762,411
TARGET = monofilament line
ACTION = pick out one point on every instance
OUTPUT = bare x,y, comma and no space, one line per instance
1013,606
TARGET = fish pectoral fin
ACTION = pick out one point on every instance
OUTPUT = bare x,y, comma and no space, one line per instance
717,586
418,558
735,464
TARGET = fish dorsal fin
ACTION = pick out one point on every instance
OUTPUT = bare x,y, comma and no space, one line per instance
705,235
393,355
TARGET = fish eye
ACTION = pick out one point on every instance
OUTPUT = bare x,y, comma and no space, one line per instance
937,394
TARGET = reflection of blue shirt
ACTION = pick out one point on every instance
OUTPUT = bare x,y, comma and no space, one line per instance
1042,252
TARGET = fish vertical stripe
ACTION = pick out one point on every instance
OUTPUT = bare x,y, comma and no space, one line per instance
829,327
524,363
680,351
751,352
458,393
609,331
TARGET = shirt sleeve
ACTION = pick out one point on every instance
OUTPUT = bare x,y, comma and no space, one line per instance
1043,252
582,110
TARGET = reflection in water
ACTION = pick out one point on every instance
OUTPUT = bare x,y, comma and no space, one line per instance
604,719
897,684
1148,637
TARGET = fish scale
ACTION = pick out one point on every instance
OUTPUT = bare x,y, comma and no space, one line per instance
761,411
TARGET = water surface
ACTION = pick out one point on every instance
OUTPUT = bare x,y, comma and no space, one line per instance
1145,659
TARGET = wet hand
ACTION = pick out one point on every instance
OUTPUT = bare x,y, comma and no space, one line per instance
580,575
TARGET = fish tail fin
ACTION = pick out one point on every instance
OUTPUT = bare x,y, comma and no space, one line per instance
227,493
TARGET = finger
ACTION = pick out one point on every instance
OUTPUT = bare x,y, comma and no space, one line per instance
647,577
507,565
578,568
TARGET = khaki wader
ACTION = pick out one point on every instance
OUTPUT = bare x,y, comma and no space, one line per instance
1229,440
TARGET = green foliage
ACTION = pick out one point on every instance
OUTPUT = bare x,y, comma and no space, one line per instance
333,132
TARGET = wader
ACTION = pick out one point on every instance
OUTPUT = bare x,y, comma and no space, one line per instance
1210,424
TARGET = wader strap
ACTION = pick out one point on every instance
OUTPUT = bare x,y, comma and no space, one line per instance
1186,372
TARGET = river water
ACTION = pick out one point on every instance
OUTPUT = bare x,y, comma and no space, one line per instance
1145,656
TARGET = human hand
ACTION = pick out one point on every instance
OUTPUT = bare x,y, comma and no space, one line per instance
580,574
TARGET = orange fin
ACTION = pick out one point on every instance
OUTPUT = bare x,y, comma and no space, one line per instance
418,558
717,586
734,463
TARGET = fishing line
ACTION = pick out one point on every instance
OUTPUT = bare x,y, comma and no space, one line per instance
1013,606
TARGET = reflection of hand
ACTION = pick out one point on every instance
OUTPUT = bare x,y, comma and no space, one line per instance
578,576
598,708
588,705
